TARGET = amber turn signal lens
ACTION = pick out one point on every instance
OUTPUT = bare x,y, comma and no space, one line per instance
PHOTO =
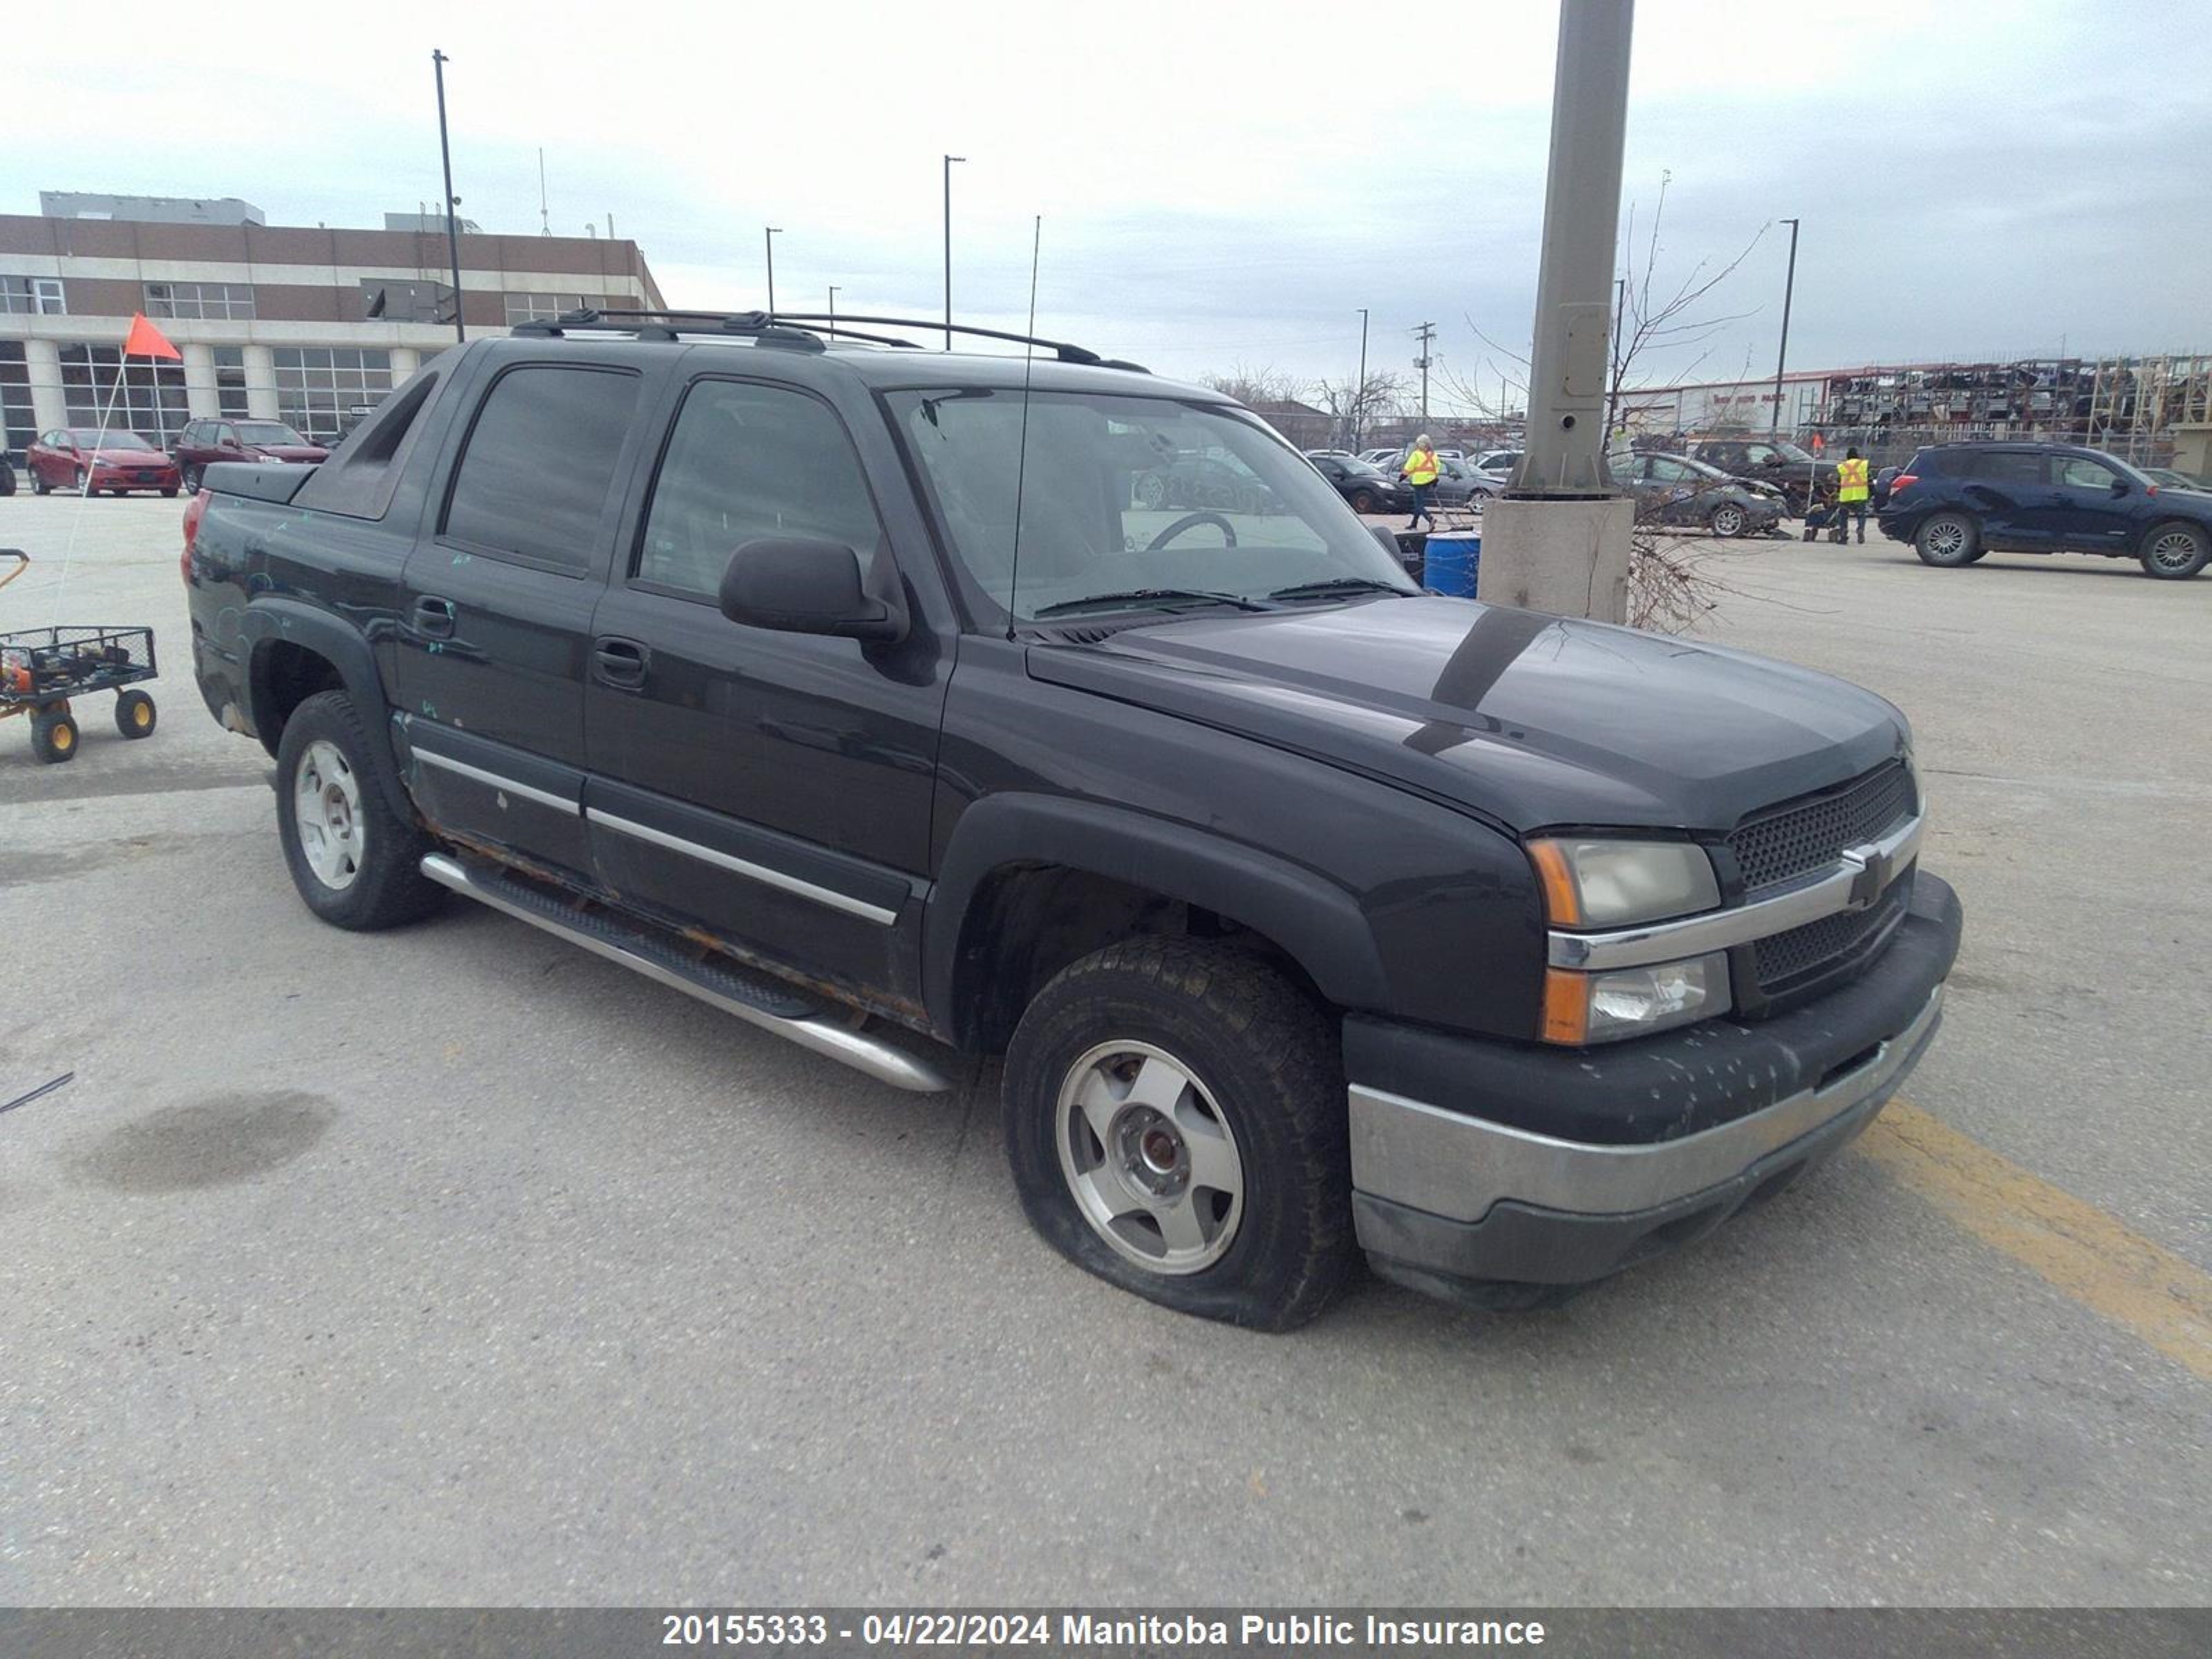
1566,1005
1562,900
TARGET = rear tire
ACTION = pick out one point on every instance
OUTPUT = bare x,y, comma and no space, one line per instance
1947,540
356,863
1233,1200
53,736
135,714
2175,551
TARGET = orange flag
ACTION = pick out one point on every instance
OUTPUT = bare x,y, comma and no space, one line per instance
145,340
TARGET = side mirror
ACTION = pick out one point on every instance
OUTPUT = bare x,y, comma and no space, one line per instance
797,584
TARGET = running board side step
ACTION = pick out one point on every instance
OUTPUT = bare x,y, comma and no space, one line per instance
757,1002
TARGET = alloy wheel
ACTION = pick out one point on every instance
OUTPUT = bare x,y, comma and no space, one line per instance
326,809
1149,1158
2174,550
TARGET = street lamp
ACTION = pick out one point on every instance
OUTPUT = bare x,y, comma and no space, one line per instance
439,60
833,308
768,240
1781,353
1359,391
949,160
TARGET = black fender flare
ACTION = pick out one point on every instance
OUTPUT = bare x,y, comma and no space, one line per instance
271,619
1317,922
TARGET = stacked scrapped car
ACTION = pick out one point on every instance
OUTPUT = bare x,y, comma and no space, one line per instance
861,694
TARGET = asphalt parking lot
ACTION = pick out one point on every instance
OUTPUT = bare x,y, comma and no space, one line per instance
454,1264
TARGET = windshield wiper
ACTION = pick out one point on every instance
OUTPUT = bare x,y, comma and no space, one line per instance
1330,586
1136,597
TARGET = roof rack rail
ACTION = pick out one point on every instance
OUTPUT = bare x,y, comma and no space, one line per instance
669,324
779,328
1066,352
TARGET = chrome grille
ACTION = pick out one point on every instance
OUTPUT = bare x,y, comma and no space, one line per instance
1807,835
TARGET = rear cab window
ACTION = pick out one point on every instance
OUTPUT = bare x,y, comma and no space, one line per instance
536,467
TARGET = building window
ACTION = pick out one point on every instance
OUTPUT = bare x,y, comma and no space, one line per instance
230,383
149,402
223,302
543,307
316,386
31,296
18,426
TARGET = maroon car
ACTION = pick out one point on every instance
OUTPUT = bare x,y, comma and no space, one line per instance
117,462
203,443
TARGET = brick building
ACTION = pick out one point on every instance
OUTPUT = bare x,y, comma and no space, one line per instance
300,324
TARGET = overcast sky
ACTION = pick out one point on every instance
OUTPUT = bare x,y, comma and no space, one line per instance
1227,185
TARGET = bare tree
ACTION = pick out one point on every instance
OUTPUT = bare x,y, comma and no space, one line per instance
1354,405
1251,386
1653,316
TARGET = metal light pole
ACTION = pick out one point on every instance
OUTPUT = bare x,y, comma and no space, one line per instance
438,61
833,308
949,160
769,234
1781,353
1359,391
1425,333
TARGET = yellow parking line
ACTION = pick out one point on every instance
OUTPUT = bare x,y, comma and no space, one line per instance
2088,1254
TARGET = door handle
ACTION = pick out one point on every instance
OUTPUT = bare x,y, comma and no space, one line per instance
619,661
434,617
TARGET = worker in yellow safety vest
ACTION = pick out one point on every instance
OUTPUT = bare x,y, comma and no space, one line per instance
1420,471
1851,493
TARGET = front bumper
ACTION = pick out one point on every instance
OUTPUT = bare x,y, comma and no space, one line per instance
1529,1168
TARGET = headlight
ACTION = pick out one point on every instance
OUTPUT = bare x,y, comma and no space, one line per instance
1580,1008
1615,884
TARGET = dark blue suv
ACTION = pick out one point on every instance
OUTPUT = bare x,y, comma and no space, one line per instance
1954,502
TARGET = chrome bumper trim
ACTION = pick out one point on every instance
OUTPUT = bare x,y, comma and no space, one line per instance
1856,882
1459,1167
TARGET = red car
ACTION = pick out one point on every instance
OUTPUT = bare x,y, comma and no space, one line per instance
203,443
117,462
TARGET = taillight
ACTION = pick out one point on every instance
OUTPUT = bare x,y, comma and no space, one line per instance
1898,484
194,512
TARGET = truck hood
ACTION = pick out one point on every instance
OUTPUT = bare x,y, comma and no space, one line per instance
1527,720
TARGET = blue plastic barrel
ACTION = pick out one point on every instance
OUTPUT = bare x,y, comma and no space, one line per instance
1450,562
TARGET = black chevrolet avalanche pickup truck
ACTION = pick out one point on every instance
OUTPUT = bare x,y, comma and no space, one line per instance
854,691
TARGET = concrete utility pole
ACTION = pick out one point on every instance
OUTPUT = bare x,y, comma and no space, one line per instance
1425,333
1560,538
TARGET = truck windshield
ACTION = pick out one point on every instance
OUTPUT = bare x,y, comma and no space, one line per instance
1144,498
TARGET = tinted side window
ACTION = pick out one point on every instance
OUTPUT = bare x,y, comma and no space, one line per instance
2079,472
534,476
2007,466
745,463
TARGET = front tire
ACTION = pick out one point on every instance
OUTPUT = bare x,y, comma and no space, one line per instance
1727,519
192,477
53,736
2175,551
39,484
356,862
1947,540
134,714
1363,500
1175,1120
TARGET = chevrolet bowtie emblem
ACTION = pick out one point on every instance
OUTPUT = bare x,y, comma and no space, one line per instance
1871,869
